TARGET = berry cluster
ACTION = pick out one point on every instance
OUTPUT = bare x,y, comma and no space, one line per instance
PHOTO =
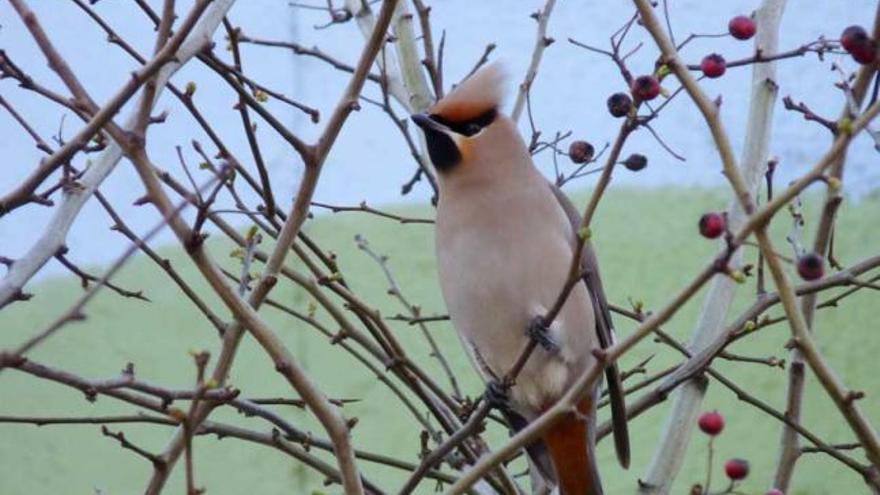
647,87
854,40
712,424
810,266
740,27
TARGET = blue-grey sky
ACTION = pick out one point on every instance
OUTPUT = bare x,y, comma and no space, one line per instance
370,160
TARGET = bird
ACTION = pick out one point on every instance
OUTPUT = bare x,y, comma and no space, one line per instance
505,238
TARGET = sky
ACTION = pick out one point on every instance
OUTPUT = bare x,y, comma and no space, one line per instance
370,160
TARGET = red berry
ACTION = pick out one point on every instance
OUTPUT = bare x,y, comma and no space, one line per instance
712,225
854,37
711,423
619,104
864,54
736,469
635,162
775,491
741,27
811,266
580,151
713,66
645,88
856,41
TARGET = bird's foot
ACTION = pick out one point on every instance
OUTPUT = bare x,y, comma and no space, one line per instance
496,394
540,333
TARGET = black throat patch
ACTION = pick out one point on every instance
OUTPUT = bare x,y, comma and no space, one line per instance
442,150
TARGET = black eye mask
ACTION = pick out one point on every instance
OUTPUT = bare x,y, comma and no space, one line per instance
470,127
442,149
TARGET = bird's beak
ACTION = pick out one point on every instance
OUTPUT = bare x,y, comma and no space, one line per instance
427,124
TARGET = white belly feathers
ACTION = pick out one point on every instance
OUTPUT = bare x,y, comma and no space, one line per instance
495,279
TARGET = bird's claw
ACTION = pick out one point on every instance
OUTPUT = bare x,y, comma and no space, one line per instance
496,395
540,333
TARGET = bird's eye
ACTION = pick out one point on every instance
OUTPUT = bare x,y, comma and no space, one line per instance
476,125
471,129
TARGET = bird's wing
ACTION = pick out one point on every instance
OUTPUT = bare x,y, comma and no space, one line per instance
604,330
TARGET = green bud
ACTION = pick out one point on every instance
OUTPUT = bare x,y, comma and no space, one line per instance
737,276
834,184
663,71
638,306
251,233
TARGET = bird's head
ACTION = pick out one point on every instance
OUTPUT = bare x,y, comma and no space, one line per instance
464,127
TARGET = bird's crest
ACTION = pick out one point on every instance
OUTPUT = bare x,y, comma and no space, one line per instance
478,94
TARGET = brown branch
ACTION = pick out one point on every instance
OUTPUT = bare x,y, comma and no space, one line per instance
86,278
363,207
75,312
250,101
542,17
100,117
835,389
424,167
430,62
379,373
822,245
417,320
189,428
113,387
41,145
247,125
483,60
314,157
155,460
89,388
818,47
311,52
808,114
295,448
744,396
348,330
395,290
566,404
120,226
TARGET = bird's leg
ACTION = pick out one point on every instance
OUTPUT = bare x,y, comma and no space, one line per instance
540,333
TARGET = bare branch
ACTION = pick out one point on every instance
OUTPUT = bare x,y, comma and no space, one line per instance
541,43
189,39
669,454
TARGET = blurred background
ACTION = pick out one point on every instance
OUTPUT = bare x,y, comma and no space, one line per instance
370,162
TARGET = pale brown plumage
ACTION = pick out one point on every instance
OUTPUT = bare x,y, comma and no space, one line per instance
504,242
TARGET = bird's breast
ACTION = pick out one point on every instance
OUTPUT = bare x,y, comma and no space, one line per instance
502,262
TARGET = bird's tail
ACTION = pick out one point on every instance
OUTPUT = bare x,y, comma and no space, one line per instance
570,443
